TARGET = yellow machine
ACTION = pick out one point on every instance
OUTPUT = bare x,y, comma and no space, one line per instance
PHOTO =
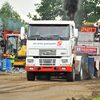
21,53
15,44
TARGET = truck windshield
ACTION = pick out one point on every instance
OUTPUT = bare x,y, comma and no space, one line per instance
48,32
12,44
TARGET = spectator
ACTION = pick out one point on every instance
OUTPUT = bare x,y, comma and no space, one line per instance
12,56
6,55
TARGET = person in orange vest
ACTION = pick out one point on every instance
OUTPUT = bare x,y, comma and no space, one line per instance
6,55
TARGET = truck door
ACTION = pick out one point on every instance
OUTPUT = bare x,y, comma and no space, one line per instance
12,44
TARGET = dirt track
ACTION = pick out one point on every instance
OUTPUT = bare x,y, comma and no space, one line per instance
16,87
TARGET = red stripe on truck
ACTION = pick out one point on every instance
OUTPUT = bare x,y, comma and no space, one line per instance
49,68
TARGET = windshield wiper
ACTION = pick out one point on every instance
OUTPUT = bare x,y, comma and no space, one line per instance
38,37
49,37
57,36
31,37
61,38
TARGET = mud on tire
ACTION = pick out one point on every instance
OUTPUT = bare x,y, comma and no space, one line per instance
79,77
86,74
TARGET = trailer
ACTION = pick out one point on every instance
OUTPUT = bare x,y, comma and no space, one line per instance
88,51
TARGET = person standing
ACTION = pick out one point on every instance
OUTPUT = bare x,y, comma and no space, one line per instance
12,56
6,55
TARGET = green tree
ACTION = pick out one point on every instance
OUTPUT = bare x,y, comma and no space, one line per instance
49,10
10,18
89,11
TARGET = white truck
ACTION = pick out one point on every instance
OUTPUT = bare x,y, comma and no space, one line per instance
50,49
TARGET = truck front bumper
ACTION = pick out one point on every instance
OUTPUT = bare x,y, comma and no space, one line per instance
48,68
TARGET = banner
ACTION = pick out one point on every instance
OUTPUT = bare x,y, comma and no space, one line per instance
90,50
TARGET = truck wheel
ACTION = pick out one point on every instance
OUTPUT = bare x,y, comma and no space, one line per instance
86,74
81,74
70,76
91,76
30,76
98,73
79,77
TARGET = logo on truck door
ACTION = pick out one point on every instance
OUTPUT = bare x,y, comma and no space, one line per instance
59,43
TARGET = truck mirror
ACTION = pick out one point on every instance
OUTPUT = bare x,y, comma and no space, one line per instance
22,32
76,33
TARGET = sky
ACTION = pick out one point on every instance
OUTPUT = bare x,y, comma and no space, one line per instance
22,7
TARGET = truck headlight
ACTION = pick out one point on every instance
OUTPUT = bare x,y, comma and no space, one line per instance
63,68
30,60
31,68
64,60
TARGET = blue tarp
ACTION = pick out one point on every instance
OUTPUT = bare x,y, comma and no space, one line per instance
91,65
6,65
88,62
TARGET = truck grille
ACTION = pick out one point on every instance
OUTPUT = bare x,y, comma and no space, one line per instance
47,52
47,62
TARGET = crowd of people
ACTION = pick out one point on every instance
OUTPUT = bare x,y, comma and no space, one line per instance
7,56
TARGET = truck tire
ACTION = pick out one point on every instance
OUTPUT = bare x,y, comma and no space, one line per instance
79,77
91,76
30,76
98,73
70,76
86,74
